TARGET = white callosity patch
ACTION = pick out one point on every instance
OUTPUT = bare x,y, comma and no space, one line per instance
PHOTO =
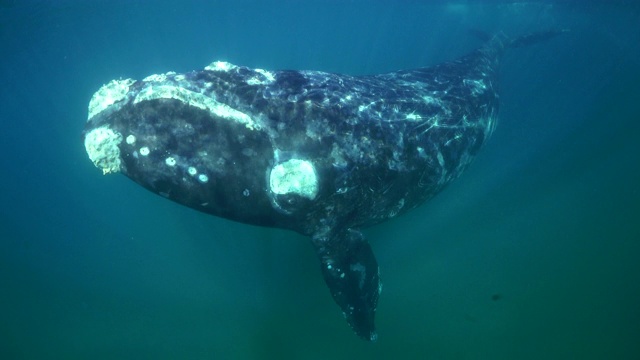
108,95
102,147
158,77
170,161
294,176
268,75
220,66
152,92
144,151
131,139
263,77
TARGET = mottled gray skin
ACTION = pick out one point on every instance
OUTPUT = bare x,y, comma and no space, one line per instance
380,146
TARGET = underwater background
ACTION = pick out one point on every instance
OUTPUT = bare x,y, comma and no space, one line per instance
533,253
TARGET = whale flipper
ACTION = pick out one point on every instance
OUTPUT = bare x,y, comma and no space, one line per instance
351,272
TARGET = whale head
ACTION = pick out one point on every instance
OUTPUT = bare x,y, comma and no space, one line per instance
170,136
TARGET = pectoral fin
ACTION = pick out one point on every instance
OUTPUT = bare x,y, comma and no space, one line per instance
351,271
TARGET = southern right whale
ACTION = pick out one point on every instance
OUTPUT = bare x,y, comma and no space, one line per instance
319,153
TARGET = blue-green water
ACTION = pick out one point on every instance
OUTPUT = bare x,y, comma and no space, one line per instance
534,253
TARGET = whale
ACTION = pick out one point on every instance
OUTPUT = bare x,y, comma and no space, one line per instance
322,154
